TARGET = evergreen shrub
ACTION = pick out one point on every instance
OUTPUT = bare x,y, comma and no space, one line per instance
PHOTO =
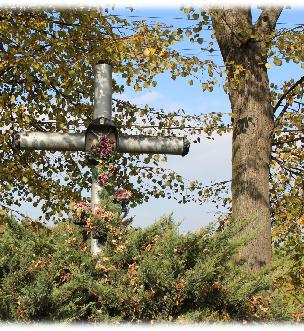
143,275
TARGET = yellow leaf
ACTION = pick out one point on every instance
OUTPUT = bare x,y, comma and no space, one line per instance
147,52
268,65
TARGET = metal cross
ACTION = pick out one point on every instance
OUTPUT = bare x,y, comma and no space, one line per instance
101,124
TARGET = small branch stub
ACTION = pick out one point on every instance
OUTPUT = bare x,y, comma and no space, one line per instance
186,146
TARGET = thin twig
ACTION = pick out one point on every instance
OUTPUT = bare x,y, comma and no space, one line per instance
278,104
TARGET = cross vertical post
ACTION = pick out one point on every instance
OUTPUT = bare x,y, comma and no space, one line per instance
102,109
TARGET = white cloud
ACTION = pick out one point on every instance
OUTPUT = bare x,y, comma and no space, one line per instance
141,99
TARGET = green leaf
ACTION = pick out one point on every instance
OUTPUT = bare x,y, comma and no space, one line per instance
195,16
277,61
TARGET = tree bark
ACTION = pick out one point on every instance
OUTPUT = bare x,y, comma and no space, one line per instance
244,49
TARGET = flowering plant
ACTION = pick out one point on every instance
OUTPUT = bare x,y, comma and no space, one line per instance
99,223
103,214
81,205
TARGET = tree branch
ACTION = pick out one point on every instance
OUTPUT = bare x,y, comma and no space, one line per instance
292,130
267,20
278,104
279,143
292,172
232,26
298,82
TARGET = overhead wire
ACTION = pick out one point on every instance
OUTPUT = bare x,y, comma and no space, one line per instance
177,18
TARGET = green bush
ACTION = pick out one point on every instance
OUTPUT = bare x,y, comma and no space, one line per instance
151,274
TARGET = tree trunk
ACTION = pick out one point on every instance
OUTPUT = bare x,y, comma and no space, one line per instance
244,55
251,153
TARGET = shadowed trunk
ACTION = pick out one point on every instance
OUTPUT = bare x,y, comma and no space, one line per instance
244,47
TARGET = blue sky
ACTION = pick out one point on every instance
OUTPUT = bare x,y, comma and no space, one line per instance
209,160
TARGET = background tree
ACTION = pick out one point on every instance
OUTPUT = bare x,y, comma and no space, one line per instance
267,122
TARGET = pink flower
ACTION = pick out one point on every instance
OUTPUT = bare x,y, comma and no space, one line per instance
122,194
103,178
83,206
112,170
105,146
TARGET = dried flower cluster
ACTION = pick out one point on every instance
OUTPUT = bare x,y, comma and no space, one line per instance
83,206
102,213
105,146
103,178
122,194
81,210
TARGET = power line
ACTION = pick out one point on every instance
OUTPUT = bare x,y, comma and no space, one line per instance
155,17
179,18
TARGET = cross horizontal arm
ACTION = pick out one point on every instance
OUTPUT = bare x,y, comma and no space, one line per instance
152,145
50,141
125,143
